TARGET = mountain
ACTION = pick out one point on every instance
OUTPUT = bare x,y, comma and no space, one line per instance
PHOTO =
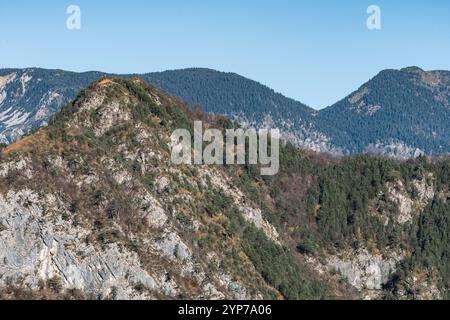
401,113
91,207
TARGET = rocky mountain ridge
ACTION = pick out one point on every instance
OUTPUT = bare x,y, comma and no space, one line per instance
120,221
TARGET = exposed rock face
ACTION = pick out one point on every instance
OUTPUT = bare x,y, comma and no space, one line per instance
364,270
408,207
395,149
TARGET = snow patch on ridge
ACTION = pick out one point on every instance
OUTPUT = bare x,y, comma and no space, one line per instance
24,79
16,118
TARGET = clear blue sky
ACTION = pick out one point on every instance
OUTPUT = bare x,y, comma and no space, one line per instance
315,51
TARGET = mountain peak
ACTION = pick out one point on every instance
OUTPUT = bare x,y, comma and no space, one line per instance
111,102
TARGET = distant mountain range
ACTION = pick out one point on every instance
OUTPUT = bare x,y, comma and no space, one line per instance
401,113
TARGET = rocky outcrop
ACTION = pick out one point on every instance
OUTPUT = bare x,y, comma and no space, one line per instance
408,206
364,270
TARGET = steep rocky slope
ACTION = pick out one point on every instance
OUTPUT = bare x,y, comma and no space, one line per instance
29,97
91,204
